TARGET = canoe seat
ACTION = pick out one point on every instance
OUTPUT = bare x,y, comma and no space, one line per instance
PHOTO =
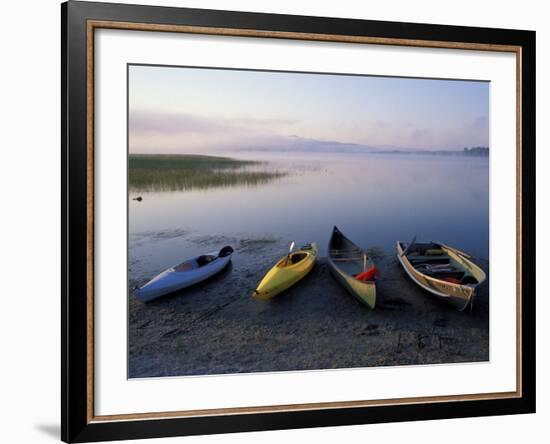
434,252
458,275
421,248
417,260
431,267
441,271
345,252
347,259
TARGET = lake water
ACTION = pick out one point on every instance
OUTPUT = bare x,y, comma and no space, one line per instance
375,199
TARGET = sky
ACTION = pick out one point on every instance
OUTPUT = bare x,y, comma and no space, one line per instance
191,110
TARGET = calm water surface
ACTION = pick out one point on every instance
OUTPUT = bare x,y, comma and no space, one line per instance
375,199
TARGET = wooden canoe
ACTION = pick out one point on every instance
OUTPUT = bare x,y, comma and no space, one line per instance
347,261
442,270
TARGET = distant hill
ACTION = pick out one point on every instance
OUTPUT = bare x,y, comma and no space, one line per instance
299,144
478,151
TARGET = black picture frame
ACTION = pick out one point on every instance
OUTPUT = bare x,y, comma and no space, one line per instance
76,423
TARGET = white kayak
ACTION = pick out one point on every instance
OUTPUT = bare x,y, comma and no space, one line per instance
185,274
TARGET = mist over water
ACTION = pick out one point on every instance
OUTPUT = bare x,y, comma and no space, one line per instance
375,199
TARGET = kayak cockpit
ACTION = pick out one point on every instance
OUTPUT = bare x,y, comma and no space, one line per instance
186,266
295,258
202,260
193,264
291,259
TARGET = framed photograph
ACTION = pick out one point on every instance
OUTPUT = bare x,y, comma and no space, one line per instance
275,221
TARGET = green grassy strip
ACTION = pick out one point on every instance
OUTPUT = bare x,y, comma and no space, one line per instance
187,172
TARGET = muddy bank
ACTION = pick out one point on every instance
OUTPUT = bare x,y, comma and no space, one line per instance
217,328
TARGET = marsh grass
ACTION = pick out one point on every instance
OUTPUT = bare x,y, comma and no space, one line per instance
187,172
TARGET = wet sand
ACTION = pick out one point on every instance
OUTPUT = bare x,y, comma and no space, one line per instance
217,328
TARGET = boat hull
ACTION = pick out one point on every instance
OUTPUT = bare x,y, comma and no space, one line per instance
281,278
362,291
170,281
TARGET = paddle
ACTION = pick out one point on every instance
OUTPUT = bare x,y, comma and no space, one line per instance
289,252
411,243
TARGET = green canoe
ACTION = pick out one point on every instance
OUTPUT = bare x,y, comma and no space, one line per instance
353,268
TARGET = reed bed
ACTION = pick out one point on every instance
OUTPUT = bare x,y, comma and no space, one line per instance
188,172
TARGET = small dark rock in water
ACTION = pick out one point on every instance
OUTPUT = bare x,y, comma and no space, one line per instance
139,198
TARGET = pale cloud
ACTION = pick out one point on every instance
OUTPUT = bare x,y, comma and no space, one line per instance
164,132
170,132
142,122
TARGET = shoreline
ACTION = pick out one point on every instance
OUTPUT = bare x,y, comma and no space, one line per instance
217,328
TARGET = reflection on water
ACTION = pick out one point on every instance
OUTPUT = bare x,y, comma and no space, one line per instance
375,199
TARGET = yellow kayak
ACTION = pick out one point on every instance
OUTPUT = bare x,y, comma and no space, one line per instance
286,272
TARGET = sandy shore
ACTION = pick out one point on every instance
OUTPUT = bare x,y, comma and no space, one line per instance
217,328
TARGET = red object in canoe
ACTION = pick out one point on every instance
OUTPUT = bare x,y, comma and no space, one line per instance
368,275
452,280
